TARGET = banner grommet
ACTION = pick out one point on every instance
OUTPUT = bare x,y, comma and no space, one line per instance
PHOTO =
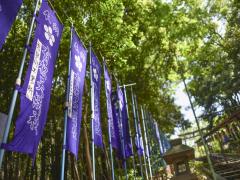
18,82
66,104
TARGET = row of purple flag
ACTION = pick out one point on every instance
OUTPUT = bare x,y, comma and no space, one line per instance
8,12
36,90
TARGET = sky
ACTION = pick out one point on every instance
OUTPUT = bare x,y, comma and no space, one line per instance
181,99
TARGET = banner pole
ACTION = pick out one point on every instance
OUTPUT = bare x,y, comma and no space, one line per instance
122,140
18,83
109,135
136,127
92,116
139,133
146,142
133,158
66,110
199,130
145,156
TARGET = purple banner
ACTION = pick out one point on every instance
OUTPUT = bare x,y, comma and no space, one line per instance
108,89
139,141
116,124
158,136
8,13
126,134
96,83
36,90
157,131
77,76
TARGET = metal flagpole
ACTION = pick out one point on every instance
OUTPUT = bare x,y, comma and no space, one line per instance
18,82
139,133
125,95
147,133
109,136
122,140
146,142
66,110
92,107
199,130
136,128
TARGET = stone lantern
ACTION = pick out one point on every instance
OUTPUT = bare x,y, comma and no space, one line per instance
179,156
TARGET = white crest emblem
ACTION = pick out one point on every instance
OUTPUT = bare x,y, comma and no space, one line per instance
49,35
95,74
78,63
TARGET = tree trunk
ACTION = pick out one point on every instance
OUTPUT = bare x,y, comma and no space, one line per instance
72,167
105,159
16,167
87,150
83,166
36,171
27,169
85,136
32,173
43,160
10,167
75,168
5,162
56,149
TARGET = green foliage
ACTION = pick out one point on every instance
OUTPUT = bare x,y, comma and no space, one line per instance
142,41
213,65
